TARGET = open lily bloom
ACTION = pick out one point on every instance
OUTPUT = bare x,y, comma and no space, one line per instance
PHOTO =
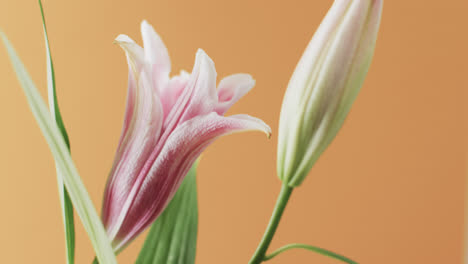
168,123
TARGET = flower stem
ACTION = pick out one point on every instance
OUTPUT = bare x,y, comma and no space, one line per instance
281,203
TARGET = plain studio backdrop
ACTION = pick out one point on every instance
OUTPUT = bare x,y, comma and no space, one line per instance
389,189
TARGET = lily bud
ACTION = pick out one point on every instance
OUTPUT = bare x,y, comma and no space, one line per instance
325,84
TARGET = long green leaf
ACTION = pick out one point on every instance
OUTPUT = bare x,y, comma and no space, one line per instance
78,193
173,236
318,250
67,206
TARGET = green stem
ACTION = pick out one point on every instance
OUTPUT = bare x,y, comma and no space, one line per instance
281,203
311,248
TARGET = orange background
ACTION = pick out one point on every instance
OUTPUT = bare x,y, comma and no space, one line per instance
390,189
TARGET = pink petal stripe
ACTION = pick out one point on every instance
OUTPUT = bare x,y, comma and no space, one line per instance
182,148
203,69
140,139
199,95
173,91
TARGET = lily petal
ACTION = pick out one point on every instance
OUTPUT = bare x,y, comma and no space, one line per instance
135,54
231,89
183,147
135,60
140,139
174,90
199,96
156,56
155,50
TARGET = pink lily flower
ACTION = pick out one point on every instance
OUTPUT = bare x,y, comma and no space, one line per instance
168,123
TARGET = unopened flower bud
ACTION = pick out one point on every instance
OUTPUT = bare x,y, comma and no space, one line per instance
325,84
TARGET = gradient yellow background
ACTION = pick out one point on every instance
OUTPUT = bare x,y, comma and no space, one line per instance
390,188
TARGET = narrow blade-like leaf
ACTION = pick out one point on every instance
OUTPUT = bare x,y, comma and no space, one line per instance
318,250
173,236
78,193
67,207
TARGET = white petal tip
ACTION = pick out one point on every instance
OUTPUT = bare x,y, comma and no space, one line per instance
257,124
145,24
267,131
122,39
184,73
250,81
263,127
147,29
245,78
201,54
